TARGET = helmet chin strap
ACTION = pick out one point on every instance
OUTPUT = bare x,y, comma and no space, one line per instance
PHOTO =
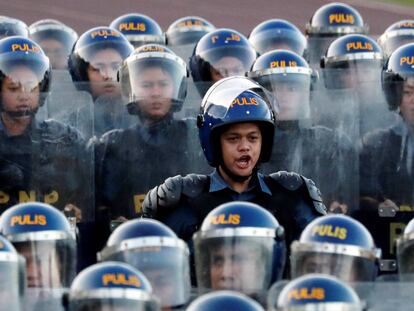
234,177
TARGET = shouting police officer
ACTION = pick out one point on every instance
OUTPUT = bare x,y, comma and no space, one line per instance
236,126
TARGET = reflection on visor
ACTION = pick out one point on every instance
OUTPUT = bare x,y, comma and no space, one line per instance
107,69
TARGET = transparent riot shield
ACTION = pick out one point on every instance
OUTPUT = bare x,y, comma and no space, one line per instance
316,49
184,51
44,299
192,103
386,186
132,161
47,162
61,81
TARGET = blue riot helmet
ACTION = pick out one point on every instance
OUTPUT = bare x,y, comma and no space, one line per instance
276,34
289,78
56,40
187,30
44,237
139,29
240,246
352,61
315,292
224,301
396,35
328,23
219,54
155,250
235,100
153,73
12,27
96,58
337,245
12,276
397,74
111,286
25,67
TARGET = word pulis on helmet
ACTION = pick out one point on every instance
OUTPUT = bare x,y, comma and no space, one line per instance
120,279
305,293
330,231
341,18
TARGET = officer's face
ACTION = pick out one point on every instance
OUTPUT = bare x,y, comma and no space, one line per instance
241,145
56,52
292,99
102,72
227,66
42,264
162,282
407,102
20,90
154,88
234,268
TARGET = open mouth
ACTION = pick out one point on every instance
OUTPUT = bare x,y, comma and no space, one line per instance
243,162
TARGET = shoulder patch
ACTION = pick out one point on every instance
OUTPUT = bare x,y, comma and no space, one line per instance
289,180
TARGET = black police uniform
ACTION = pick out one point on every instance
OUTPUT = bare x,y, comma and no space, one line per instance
183,202
49,159
132,161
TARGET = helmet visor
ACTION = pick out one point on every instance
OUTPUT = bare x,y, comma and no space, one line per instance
345,267
234,263
49,264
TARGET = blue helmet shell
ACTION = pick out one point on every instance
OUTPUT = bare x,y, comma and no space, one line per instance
244,101
396,70
317,289
336,19
31,218
187,30
12,27
139,29
223,301
277,30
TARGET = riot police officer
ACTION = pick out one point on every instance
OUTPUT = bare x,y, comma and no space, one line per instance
219,54
155,250
46,239
329,22
236,126
223,301
240,246
56,40
39,160
336,245
13,276
12,27
132,161
111,286
187,30
93,64
315,291
139,29
396,35
386,161
352,100
302,147
276,34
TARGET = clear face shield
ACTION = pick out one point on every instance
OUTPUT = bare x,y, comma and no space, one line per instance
292,92
12,281
154,84
405,255
49,263
165,263
227,62
123,300
397,39
347,266
274,39
242,264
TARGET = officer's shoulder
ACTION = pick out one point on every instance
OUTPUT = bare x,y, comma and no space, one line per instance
54,129
293,181
376,138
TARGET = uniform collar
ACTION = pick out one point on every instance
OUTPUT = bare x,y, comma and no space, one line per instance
217,183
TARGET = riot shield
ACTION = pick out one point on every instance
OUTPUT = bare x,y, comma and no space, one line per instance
184,51
48,162
44,299
316,49
192,103
132,161
386,186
